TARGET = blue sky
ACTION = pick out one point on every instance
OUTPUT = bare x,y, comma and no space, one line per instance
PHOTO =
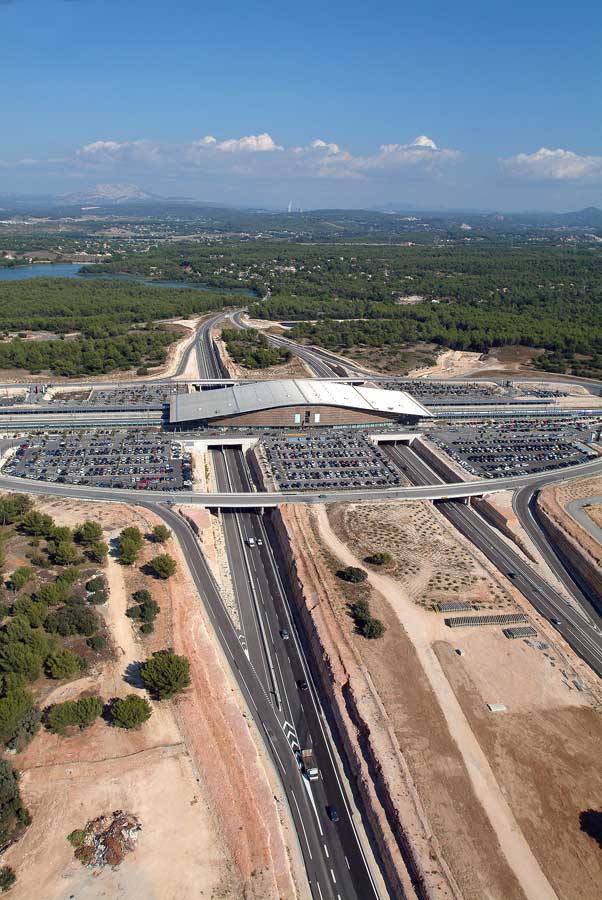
340,103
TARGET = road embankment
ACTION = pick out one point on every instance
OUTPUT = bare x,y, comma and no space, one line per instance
392,807
579,551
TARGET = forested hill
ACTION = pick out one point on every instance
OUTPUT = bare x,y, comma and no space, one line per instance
110,324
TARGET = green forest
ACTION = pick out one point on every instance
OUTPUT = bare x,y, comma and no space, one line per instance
250,348
110,323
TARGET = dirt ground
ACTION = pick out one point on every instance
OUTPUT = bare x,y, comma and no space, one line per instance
507,826
426,557
213,821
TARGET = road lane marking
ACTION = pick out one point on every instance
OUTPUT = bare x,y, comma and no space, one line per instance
302,824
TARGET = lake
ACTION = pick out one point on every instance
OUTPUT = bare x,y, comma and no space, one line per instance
71,270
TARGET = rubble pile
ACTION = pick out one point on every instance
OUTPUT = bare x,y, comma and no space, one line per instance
107,840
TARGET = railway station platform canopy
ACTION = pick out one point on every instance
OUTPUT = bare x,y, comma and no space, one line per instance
293,402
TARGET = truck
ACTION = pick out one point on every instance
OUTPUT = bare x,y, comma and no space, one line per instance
308,765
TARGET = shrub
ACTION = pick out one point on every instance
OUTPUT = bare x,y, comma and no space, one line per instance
14,818
165,674
64,553
13,507
73,713
98,552
149,610
67,620
19,718
37,524
128,552
147,628
98,598
379,559
77,837
63,663
161,534
7,878
33,610
54,593
21,659
163,566
132,534
352,574
98,583
88,533
372,628
97,642
69,576
360,610
131,712
141,596
133,612
20,577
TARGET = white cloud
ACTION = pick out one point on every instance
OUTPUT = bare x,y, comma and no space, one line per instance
252,143
554,165
253,155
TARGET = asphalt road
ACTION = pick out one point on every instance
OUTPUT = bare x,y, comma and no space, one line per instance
524,503
578,624
337,858
238,499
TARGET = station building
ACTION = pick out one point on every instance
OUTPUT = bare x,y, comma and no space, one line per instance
294,403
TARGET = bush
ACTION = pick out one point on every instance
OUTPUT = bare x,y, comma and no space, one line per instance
64,553
141,596
97,643
352,574
98,583
20,577
19,717
77,837
360,610
131,712
147,628
132,534
89,533
133,612
379,559
98,552
161,534
149,610
37,524
163,566
165,674
128,552
33,610
21,659
7,878
98,598
73,713
14,818
74,619
63,663
68,577
372,629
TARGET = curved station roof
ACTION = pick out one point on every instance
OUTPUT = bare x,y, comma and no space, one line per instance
250,397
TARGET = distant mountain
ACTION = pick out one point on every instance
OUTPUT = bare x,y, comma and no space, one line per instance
110,193
590,217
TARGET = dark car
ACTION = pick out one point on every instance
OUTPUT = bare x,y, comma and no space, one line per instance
302,684
284,634
332,813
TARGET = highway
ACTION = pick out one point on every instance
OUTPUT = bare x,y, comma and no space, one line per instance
579,625
237,499
337,859
320,362
524,503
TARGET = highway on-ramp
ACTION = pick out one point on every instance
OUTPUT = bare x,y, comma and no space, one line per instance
579,625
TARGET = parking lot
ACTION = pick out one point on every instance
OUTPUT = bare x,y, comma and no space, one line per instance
517,447
442,392
114,458
327,460
132,395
